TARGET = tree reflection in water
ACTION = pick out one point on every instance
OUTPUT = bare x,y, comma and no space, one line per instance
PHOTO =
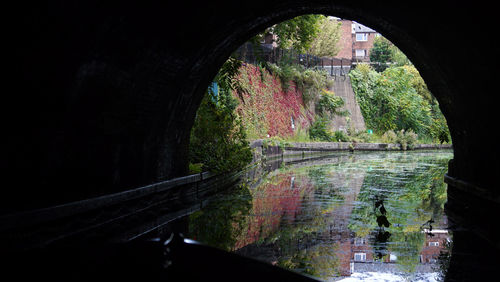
314,217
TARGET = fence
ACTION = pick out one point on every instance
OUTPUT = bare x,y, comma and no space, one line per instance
258,53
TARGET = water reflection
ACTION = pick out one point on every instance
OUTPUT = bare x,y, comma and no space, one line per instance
344,217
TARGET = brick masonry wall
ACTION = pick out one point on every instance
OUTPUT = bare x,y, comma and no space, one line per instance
345,40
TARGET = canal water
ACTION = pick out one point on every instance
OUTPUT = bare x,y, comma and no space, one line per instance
348,216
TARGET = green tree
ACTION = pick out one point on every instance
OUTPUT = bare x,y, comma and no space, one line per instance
381,53
298,33
218,140
385,52
398,57
326,41
391,101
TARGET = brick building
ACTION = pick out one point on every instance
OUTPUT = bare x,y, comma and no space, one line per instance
362,38
345,41
356,41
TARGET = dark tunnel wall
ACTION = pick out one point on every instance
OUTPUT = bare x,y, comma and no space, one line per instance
103,95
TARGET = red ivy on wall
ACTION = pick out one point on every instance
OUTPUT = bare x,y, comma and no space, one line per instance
265,108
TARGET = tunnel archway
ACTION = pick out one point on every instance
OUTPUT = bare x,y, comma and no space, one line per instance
107,101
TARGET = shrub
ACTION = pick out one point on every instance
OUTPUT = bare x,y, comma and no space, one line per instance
389,137
329,104
319,132
340,136
218,140
407,139
362,136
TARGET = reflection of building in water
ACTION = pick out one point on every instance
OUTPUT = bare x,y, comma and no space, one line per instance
362,255
435,241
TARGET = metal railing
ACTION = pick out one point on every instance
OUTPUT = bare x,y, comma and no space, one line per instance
261,53
258,53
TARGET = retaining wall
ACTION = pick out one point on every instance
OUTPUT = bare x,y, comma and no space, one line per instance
311,149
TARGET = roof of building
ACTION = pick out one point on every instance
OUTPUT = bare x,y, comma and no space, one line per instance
361,28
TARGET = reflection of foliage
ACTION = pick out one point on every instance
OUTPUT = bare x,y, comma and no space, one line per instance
379,242
414,193
291,210
444,260
323,185
408,253
222,221
320,261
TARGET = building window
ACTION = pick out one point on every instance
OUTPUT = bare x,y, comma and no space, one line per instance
393,257
359,241
434,244
359,256
360,52
361,36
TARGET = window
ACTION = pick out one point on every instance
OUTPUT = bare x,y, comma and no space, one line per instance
360,52
361,36
435,244
393,257
359,256
359,241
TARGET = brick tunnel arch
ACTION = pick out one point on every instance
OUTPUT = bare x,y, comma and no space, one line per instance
105,103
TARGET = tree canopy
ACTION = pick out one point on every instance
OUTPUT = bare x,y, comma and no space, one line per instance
326,41
298,33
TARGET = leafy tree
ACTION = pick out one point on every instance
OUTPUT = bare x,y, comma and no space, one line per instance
326,42
218,139
381,53
398,99
398,57
384,52
298,33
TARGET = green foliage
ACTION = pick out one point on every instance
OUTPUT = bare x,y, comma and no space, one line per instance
319,130
397,99
195,168
384,52
407,140
361,136
326,41
340,136
389,137
381,53
328,104
298,33
223,220
416,197
309,81
218,139
398,58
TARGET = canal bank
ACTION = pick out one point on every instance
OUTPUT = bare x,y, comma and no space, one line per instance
264,149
